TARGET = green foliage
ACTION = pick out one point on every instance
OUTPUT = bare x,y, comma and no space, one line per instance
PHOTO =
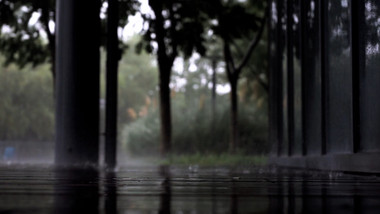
143,135
26,95
23,43
138,79
182,26
27,111
235,21
195,131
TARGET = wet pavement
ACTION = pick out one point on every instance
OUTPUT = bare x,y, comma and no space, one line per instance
185,190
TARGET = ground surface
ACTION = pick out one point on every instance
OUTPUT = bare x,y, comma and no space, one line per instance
185,189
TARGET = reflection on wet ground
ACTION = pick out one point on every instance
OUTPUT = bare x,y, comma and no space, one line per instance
185,190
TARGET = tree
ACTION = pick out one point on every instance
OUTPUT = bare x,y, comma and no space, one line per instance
215,56
27,107
137,82
23,41
177,26
236,22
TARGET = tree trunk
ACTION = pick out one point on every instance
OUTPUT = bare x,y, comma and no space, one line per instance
213,92
165,63
234,129
53,61
165,110
213,101
53,72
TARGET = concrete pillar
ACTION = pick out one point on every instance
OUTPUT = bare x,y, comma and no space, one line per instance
113,56
77,87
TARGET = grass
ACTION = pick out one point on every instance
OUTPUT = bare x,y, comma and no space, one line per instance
215,160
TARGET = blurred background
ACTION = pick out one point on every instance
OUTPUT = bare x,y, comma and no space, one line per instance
200,89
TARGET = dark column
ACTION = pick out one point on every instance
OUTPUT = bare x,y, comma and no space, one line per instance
77,88
358,63
338,79
295,78
283,64
323,24
290,74
113,56
274,79
312,78
367,65
213,91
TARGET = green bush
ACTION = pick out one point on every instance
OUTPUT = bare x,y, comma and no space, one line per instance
194,132
27,109
143,135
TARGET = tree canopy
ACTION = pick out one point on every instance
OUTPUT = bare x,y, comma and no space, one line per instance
27,29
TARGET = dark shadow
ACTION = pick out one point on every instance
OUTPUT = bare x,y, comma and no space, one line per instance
110,193
213,195
276,199
76,191
165,196
322,193
312,196
234,199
